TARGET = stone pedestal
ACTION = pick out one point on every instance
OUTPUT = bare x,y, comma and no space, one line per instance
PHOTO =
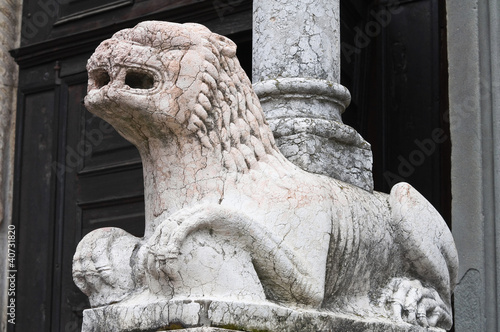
296,74
202,329
205,315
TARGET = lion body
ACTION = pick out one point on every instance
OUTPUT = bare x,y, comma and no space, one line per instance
206,148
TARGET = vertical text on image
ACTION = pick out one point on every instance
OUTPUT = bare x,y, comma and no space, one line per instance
11,280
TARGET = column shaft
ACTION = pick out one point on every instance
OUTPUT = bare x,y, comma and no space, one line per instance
296,74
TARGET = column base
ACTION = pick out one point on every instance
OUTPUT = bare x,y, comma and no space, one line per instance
305,117
325,147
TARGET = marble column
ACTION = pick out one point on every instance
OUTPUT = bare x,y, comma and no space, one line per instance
296,74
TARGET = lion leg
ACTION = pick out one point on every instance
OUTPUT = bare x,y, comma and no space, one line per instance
189,257
258,260
428,247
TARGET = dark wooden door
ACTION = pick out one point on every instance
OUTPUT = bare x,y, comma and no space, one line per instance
394,64
74,173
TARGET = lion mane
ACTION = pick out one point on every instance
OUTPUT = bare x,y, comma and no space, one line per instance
227,111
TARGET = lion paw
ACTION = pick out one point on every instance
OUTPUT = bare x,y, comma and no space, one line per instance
102,265
162,258
409,301
165,243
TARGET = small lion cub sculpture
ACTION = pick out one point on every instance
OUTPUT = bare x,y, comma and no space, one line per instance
228,216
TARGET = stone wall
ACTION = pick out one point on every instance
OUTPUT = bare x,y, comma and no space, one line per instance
10,17
474,95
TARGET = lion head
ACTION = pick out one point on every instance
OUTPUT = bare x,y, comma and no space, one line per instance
160,79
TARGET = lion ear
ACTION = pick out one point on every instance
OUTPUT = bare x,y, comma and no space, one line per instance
227,46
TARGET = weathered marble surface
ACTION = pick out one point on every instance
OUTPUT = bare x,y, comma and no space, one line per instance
235,316
230,222
296,74
201,329
305,34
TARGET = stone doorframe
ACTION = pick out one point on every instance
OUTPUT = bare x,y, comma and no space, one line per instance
10,23
474,96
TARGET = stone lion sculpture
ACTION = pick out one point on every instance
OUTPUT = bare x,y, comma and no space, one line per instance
228,217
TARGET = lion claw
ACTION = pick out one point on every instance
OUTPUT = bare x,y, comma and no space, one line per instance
411,302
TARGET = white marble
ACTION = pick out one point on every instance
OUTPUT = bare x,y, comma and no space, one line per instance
233,228
305,35
296,74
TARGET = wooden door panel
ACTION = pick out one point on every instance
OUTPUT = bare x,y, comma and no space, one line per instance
126,214
110,185
77,9
103,187
35,228
104,147
394,74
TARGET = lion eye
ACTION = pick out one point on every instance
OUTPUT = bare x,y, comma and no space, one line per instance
139,80
101,78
